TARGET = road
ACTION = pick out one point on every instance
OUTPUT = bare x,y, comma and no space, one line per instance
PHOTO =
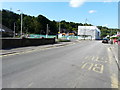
87,64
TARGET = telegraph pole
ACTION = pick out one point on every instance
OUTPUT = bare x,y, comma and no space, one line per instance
47,31
14,30
85,29
21,22
59,27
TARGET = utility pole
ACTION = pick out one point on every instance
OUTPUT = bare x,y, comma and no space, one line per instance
59,27
21,23
14,30
85,29
47,31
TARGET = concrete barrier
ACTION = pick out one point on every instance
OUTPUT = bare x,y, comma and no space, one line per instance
12,43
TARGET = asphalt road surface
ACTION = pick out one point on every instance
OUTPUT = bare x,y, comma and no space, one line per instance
87,64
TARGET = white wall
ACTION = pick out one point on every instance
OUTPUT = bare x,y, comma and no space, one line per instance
89,30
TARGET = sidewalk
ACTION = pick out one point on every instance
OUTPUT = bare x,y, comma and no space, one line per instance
23,49
116,51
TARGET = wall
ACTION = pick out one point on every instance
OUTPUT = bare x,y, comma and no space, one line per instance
11,43
89,30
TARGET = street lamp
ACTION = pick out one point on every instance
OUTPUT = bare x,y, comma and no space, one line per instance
21,20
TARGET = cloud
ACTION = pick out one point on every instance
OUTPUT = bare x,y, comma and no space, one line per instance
76,3
108,1
92,11
106,25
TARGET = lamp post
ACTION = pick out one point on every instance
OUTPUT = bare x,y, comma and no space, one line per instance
21,21
14,30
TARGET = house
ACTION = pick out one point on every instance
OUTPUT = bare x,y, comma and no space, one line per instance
5,32
89,32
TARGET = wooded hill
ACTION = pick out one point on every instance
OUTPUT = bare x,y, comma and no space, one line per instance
38,25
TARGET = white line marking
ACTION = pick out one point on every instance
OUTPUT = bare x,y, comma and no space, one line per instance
29,85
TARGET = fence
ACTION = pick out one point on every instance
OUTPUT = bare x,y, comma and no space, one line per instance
52,36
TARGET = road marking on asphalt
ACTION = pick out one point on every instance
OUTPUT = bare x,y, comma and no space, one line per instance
97,59
114,78
45,48
93,58
110,56
29,85
91,65
98,68
4,55
86,57
114,81
83,66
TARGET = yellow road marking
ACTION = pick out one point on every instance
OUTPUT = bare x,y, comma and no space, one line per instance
114,81
11,54
97,59
94,67
90,66
83,66
110,57
86,57
36,50
4,55
93,58
98,68
114,78
29,85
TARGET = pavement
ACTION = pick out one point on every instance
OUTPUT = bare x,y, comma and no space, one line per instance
82,64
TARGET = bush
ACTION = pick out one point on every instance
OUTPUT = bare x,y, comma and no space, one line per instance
114,38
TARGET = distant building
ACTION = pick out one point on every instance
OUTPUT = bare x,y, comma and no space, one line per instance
88,32
5,32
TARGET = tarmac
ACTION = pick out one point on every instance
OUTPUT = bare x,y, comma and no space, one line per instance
115,48
30,48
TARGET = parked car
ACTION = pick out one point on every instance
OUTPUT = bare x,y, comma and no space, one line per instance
105,40
118,41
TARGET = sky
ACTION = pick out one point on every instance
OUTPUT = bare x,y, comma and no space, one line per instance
104,13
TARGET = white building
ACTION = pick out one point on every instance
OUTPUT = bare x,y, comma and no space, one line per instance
91,32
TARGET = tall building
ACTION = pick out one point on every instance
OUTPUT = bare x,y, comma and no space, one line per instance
88,32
